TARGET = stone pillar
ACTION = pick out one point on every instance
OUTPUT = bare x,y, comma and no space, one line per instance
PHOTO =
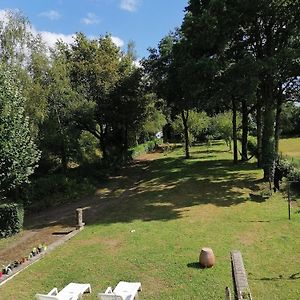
80,223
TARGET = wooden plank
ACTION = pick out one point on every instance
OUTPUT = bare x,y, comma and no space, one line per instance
240,278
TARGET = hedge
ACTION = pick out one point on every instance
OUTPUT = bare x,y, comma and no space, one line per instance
11,219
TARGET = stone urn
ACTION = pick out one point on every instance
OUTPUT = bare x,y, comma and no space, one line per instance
207,258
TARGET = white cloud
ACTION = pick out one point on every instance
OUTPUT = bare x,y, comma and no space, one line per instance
137,64
51,38
51,15
2,15
90,19
117,41
129,5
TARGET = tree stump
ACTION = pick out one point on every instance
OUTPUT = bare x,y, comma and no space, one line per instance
207,258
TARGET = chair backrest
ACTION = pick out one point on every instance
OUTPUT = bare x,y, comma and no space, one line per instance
45,297
103,296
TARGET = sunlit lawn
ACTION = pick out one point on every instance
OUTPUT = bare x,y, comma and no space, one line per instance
178,207
290,147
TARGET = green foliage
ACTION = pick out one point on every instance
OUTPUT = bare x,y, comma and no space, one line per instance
55,189
252,145
110,103
290,119
143,148
289,169
18,152
221,126
197,123
11,219
156,119
89,148
15,38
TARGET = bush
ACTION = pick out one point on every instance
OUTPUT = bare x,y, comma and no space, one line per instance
290,171
143,148
54,189
252,145
11,219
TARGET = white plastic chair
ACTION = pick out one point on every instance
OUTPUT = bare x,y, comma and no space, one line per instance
72,291
123,291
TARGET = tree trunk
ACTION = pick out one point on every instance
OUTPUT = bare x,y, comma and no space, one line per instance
234,132
278,121
245,131
268,138
103,142
64,158
259,131
185,118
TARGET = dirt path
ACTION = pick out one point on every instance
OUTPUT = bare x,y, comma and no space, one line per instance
49,225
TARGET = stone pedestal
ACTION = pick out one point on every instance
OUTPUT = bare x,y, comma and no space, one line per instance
207,258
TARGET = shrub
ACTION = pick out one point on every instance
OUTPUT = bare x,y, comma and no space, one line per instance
54,189
288,168
143,148
252,145
11,219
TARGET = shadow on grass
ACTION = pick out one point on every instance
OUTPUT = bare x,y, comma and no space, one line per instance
295,276
196,265
164,189
258,198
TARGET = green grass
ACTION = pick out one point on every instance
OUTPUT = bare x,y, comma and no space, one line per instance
290,147
178,207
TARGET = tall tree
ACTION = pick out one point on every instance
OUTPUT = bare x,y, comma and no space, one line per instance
18,152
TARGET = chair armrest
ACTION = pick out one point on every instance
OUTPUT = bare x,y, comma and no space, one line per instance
53,292
109,290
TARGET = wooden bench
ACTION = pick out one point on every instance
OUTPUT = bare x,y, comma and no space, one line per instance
239,276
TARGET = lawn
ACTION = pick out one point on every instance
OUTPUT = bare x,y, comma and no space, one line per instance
154,235
290,147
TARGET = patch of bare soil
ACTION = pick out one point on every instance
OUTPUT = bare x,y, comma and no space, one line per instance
50,225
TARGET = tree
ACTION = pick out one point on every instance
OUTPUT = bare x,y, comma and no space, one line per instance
58,136
110,103
198,123
166,68
94,72
155,119
271,32
222,126
18,152
263,33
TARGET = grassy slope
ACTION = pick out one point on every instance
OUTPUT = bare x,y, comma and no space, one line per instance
177,208
291,148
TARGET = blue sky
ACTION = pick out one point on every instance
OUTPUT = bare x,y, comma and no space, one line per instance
143,21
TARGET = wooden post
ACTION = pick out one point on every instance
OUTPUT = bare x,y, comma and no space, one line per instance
80,223
289,200
227,293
